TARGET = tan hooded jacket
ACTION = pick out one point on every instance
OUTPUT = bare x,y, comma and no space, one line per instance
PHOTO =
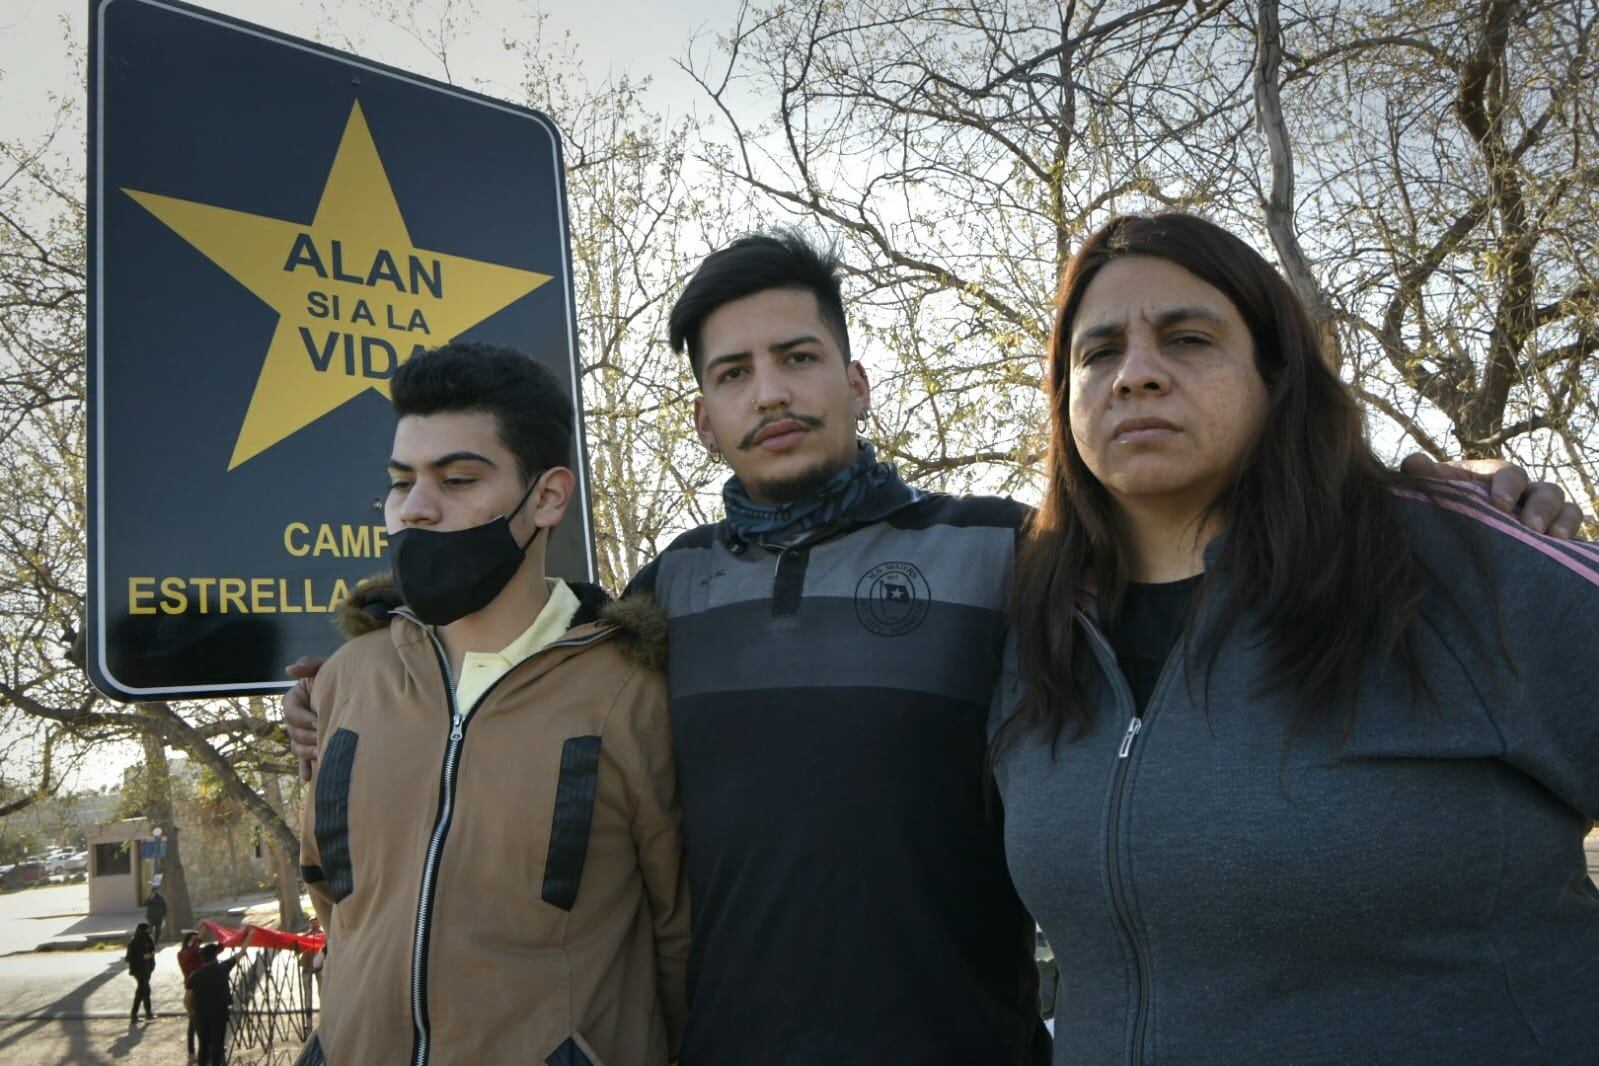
506,886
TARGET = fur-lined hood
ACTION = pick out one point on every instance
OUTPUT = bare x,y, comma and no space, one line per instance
639,620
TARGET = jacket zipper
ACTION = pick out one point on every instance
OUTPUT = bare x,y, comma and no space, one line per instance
430,866
441,828
1118,892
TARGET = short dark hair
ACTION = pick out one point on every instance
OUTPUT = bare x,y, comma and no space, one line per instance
209,952
530,408
782,259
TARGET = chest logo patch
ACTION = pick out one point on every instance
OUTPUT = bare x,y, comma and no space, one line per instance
892,599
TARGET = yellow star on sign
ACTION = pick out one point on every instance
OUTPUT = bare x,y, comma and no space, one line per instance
354,297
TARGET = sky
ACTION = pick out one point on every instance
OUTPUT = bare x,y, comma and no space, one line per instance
38,39
42,46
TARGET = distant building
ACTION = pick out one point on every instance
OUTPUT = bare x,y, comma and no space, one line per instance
120,865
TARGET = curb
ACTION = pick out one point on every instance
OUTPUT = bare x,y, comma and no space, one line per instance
84,1016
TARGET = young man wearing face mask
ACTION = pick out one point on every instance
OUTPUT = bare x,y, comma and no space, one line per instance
492,842
834,645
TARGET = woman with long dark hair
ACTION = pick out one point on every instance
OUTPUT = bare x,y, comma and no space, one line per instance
140,956
1300,752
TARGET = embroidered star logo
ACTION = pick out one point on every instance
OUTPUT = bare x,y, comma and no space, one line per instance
355,297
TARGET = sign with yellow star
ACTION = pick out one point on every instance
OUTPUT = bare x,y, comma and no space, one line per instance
276,227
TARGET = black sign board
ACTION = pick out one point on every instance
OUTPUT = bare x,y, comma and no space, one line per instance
273,227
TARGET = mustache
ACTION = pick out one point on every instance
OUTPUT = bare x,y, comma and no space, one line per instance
748,440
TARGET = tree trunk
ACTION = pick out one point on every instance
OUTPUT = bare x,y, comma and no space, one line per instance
181,734
288,866
174,884
1280,203
233,854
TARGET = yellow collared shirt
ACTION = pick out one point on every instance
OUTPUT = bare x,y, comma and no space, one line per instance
481,669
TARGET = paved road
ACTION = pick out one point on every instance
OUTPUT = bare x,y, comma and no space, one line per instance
30,916
94,1043
76,984
93,984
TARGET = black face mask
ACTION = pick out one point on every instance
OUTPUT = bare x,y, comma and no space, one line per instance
444,576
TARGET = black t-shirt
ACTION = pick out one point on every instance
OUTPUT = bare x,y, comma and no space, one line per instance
1146,631
210,986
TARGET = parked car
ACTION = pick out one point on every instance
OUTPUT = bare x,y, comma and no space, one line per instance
23,873
65,861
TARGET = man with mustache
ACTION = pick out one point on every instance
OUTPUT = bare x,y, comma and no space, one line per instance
834,644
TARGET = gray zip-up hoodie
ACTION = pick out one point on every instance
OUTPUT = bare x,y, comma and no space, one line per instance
1414,894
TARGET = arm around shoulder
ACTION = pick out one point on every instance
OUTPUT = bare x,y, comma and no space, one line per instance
1536,641
1551,631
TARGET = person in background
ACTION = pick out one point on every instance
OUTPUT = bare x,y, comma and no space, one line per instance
189,960
311,961
141,964
155,912
209,996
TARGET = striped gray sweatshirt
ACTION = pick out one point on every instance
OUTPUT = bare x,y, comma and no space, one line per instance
850,898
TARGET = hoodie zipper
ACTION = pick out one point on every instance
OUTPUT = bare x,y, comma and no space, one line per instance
441,827
1118,891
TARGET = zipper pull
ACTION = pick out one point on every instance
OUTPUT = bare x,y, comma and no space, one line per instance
457,722
1127,740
